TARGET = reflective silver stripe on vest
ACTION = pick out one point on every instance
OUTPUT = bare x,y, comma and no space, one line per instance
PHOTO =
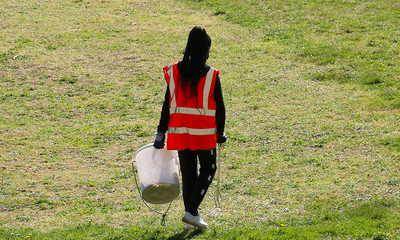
192,131
172,87
207,89
194,111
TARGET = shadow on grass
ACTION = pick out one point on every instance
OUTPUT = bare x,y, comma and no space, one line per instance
185,234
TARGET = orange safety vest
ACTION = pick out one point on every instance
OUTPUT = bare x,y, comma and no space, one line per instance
192,123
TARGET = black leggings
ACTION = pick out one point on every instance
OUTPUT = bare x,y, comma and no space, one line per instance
194,185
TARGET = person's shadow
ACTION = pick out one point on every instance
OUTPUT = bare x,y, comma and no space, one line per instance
185,234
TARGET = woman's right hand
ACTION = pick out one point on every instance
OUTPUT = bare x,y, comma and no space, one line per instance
159,141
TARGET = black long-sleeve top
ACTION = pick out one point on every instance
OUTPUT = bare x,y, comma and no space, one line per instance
220,111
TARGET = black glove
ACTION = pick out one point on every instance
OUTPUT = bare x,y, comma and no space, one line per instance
159,142
221,138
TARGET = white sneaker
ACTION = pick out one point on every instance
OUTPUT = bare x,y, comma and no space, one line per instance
189,227
194,220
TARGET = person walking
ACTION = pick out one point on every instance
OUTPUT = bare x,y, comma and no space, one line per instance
193,114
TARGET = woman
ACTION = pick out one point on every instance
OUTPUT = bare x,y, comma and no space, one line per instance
193,113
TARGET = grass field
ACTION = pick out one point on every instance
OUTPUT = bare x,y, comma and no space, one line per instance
312,96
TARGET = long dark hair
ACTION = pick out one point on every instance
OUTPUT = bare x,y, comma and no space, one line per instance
192,66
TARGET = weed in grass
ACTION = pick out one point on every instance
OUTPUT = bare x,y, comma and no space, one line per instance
22,218
393,142
68,79
44,204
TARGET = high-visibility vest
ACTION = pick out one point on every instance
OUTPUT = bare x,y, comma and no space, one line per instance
192,121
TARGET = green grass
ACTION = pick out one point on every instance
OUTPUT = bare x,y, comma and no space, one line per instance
312,103
327,225
343,41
